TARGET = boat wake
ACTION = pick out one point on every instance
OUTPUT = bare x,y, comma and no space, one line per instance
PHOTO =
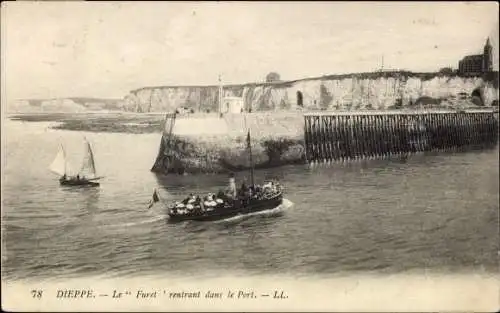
146,221
277,211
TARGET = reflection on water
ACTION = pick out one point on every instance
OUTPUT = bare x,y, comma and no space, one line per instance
437,212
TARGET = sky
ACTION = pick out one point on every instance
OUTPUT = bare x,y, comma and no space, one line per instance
106,49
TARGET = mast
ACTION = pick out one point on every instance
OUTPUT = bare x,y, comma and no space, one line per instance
251,157
220,95
91,154
65,161
249,146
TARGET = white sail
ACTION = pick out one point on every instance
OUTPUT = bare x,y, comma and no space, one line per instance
58,166
88,166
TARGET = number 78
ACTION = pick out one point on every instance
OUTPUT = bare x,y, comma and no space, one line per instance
37,293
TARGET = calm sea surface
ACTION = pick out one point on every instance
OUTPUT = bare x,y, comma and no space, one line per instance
429,213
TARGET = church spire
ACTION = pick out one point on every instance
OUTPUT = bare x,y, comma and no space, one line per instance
487,57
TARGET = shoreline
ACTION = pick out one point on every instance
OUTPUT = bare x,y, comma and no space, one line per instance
69,119
205,143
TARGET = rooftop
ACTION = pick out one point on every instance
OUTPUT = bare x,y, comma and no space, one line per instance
472,57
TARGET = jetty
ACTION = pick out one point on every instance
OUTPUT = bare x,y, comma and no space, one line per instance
321,136
344,136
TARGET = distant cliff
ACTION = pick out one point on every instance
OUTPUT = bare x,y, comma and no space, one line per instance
377,90
65,105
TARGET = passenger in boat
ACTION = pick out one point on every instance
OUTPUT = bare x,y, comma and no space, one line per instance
77,177
268,186
243,190
189,200
232,186
257,192
192,199
179,206
221,195
211,200
209,203
64,177
206,202
251,191
197,208
258,189
244,193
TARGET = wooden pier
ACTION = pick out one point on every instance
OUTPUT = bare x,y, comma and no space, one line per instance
344,136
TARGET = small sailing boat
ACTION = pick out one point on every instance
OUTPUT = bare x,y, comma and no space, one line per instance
87,175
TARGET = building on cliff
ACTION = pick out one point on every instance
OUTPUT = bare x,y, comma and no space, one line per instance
232,105
477,64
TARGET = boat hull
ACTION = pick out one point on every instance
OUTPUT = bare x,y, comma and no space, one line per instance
78,183
227,212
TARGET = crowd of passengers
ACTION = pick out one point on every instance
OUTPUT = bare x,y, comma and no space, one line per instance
211,201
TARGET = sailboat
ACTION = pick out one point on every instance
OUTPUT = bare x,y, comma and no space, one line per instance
87,175
233,202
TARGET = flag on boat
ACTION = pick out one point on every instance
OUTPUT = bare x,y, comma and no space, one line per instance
155,199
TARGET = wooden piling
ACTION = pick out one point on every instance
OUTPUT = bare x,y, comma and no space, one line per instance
353,136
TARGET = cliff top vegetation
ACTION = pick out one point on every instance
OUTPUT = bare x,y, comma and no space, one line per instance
362,75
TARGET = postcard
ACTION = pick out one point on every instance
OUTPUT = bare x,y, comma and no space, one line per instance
250,156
